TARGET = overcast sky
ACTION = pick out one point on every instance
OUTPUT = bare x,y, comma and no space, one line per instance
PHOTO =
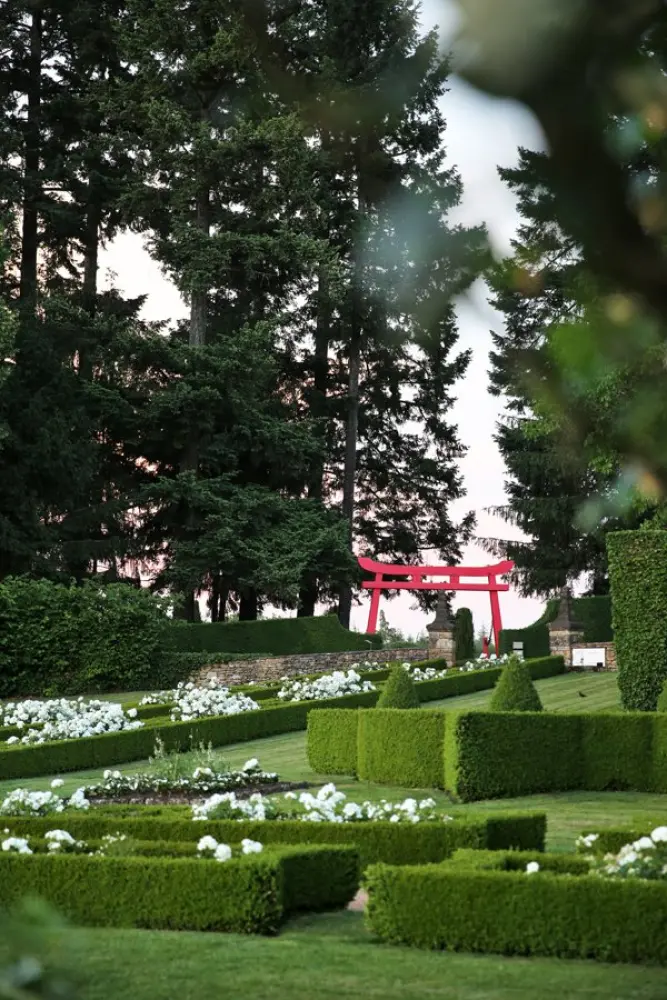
481,135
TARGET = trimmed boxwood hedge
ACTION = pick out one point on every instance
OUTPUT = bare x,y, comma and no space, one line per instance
394,843
252,894
332,741
468,859
401,746
270,637
638,579
511,913
493,755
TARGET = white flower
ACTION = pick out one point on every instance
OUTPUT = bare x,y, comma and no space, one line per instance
12,739
223,852
57,783
251,765
251,846
18,844
532,867
643,844
659,835
207,844
131,713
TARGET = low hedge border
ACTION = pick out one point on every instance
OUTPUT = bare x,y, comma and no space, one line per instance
468,859
252,894
393,843
511,913
401,747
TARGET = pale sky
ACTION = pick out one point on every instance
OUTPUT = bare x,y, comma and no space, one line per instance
481,134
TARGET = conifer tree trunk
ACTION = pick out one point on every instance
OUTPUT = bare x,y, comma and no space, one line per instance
31,174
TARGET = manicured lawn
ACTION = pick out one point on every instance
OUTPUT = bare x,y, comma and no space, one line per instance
326,957
558,694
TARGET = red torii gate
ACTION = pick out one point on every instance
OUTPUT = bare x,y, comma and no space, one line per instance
415,581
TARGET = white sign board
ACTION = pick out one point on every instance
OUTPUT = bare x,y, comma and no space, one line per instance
589,657
517,649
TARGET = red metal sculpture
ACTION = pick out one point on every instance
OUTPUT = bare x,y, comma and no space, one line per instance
416,581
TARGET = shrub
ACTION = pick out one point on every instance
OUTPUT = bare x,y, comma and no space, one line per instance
514,913
469,859
57,639
401,747
515,691
332,741
464,635
594,613
638,579
250,894
493,755
270,637
399,691
394,843
616,751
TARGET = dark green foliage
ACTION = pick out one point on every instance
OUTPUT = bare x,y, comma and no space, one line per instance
662,700
515,691
541,752
251,894
464,635
401,747
535,637
394,843
118,748
399,690
57,639
271,637
594,613
514,913
638,578
332,741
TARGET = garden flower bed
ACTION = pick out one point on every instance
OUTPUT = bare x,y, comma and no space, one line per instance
378,840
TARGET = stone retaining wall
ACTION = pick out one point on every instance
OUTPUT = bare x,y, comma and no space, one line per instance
273,668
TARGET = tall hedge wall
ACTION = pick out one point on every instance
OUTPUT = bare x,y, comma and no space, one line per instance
638,578
594,613
271,637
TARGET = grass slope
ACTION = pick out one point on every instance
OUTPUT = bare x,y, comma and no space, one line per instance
328,957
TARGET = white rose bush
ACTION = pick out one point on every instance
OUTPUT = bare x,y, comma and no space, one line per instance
645,858
203,780
192,702
334,685
65,719
328,805
22,802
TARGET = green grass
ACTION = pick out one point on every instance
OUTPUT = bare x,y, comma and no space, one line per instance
326,957
558,694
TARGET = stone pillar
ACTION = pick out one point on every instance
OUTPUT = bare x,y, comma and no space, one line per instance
565,631
441,632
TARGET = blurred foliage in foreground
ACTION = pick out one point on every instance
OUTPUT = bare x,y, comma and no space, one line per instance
29,938
593,76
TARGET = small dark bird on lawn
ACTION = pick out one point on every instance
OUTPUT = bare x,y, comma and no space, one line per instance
581,694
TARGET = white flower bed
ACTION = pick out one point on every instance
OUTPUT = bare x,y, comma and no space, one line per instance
203,779
485,662
22,802
158,698
193,702
66,719
60,841
328,805
644,858
333,685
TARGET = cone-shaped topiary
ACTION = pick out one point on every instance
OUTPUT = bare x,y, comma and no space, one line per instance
464,635
399,691
515,691
662,699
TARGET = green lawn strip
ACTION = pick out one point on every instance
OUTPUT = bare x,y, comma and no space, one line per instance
558,694
329,957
